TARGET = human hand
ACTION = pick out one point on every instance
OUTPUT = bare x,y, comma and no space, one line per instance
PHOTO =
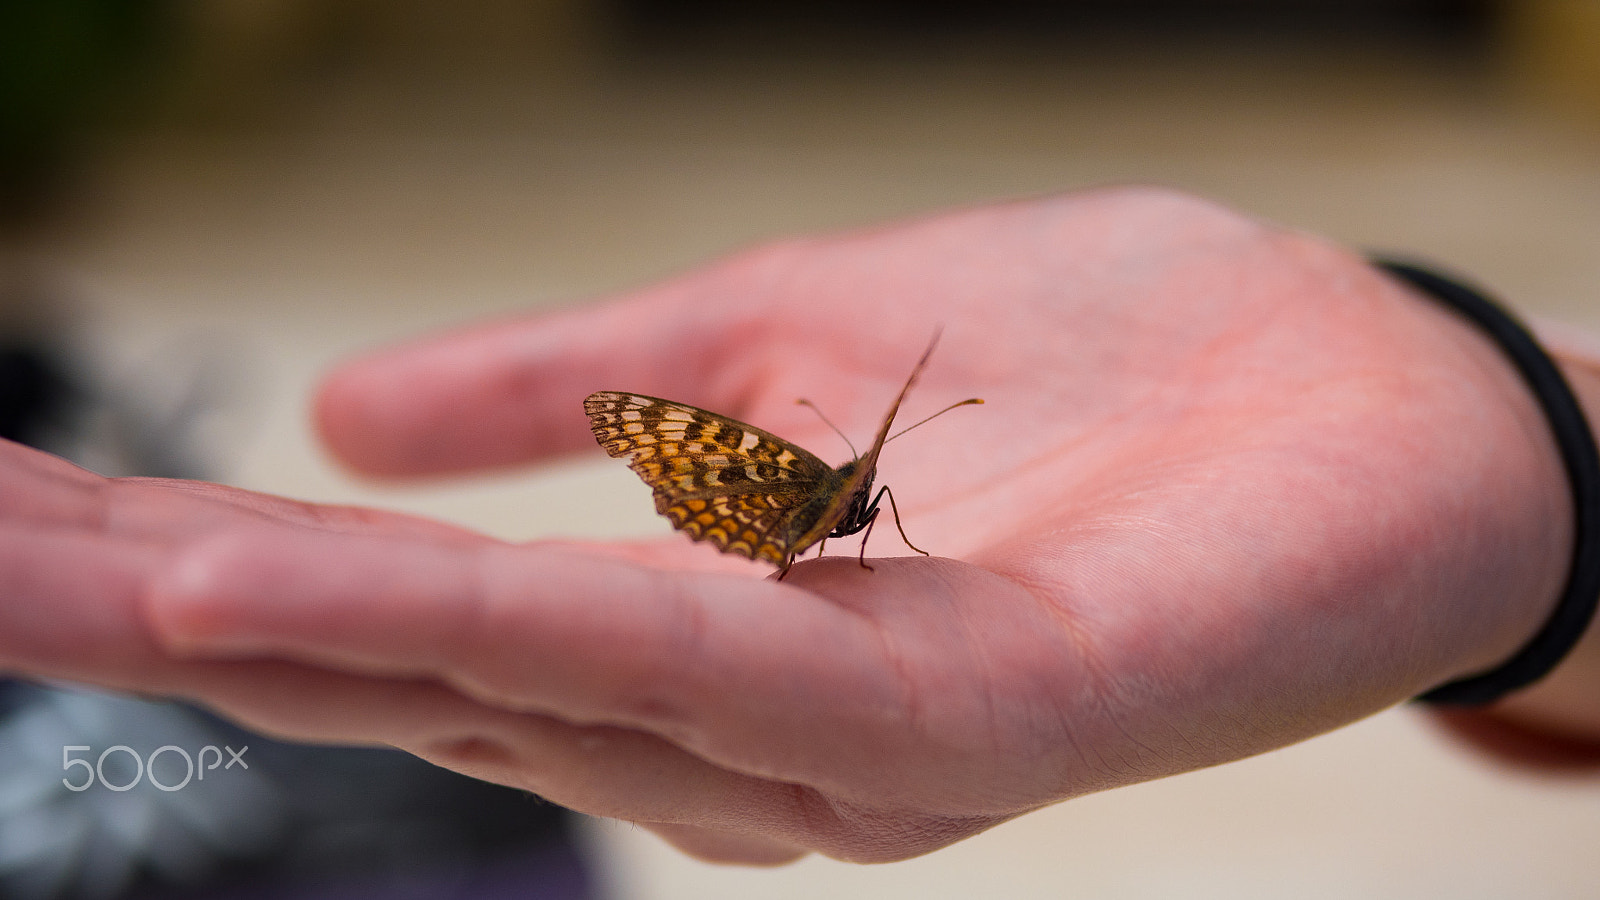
1232,488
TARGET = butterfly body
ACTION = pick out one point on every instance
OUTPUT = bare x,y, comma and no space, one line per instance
745,490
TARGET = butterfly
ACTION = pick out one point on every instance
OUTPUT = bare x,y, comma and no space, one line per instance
747,491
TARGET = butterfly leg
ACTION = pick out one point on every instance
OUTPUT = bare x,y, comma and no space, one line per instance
788,563
821,546
862,559
897,524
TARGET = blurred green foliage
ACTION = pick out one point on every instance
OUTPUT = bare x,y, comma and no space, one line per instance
66,66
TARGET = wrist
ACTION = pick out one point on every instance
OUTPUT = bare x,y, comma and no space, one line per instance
1556,720
1567,701
1567,423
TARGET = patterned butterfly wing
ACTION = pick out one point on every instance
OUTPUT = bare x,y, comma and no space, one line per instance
746,491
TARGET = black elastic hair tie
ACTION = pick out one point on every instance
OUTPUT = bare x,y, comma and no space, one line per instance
1577,606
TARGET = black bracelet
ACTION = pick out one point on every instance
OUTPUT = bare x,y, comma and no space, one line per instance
1577,606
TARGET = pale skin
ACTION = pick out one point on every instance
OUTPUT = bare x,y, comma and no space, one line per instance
1231,488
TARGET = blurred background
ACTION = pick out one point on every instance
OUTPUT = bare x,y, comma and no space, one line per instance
206,203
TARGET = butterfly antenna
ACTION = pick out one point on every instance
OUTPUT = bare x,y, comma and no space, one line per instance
804,402
975,401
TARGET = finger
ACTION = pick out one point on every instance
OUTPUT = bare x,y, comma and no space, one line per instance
599,770
594,769
511,392
70,606
819,695
38,487
179,510
485,620
67,602
41,491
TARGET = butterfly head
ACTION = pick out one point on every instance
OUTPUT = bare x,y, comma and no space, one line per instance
859,510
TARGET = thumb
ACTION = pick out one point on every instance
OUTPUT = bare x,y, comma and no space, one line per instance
511,391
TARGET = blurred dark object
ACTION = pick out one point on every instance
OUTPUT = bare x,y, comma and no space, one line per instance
1064,18
37,399
65,66
154,420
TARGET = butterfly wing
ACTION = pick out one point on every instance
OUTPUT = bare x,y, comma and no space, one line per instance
745,490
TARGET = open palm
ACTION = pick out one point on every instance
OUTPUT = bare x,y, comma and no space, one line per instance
1231,488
